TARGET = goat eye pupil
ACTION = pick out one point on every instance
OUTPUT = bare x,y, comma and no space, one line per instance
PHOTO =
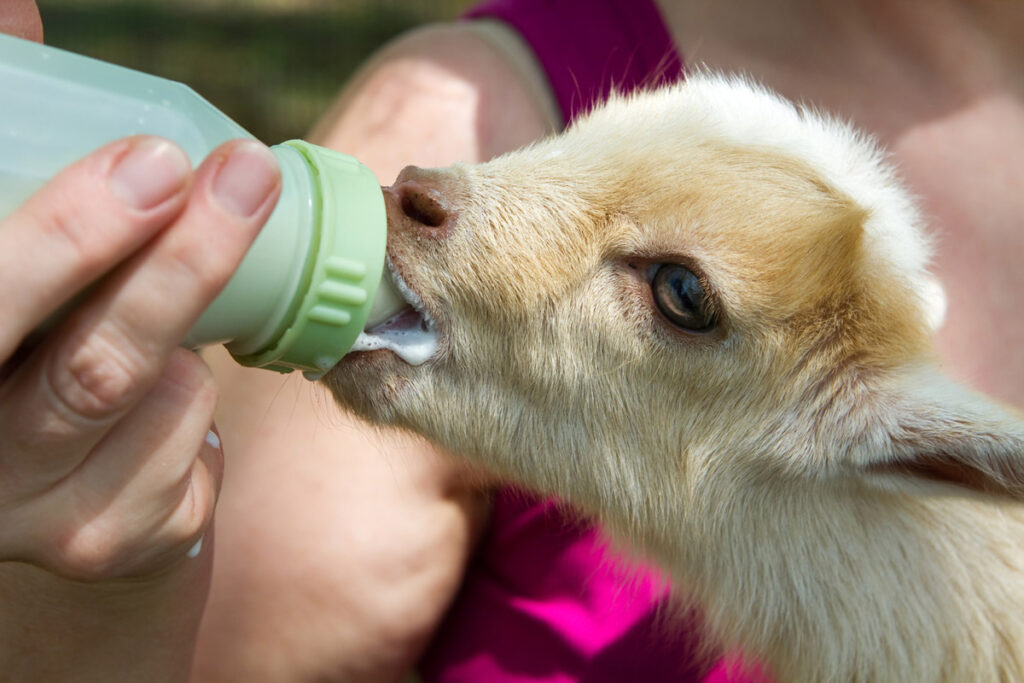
681,298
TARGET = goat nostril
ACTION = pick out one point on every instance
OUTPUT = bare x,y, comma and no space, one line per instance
423,205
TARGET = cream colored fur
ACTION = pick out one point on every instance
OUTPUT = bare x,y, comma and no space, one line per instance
838,508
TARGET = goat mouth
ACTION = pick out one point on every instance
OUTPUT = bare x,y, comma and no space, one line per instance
410,334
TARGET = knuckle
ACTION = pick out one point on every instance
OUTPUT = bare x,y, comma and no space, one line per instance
87,553
100,378
66,227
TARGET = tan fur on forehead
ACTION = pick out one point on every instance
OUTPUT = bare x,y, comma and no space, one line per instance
796,222
753,130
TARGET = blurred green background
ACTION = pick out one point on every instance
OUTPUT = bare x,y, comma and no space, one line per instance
272,65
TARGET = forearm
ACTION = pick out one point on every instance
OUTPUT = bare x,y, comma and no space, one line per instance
56,630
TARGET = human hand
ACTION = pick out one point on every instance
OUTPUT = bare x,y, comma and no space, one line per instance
106,466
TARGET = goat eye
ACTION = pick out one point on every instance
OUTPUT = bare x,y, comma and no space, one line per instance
681,298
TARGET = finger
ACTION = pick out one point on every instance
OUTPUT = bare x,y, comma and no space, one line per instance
235,191
82,223
147,491
107,356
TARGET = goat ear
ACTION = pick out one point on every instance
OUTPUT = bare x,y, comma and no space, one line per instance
934,430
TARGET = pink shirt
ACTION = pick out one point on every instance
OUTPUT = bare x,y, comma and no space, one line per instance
546,600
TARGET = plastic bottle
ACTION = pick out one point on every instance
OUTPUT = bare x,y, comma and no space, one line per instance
312,280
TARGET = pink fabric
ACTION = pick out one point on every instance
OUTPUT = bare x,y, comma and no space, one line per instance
545,599
587,47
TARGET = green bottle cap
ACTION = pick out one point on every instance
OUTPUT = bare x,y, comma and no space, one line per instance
341,278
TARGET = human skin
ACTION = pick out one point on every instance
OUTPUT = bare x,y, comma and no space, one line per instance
21,18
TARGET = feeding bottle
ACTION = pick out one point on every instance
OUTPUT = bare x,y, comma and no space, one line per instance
312,280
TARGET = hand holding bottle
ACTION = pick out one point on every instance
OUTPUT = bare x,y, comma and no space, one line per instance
108,469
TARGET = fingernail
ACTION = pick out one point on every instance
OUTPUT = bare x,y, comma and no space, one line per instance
212,439
149,174
245,179
195,550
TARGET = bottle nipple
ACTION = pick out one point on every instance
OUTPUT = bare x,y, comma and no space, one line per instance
388,302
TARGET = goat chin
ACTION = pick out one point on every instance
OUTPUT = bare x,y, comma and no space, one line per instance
703,315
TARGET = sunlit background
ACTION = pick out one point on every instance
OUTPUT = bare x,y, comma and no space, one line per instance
272,65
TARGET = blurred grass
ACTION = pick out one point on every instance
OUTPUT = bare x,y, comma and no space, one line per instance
272,65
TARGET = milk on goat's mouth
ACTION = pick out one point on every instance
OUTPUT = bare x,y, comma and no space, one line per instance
410,334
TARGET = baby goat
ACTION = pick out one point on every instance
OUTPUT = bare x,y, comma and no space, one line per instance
703,316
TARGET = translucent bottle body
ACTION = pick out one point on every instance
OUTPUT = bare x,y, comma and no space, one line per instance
57,107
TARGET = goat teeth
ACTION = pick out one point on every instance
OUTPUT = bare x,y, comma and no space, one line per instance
408,335
411,334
